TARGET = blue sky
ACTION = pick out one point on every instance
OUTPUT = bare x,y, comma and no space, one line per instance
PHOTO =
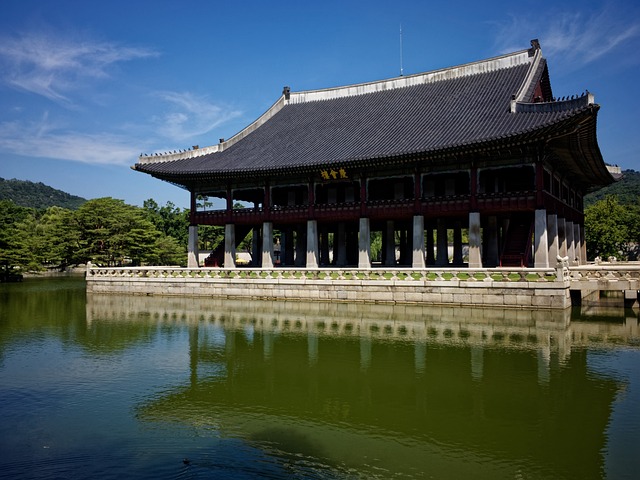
86,86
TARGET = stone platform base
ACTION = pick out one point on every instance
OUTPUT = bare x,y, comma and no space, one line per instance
491,288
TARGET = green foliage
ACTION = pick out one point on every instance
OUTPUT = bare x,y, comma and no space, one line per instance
209,237
612,229
114,233
37,195
626,190
105,231
376,246
612,219
169,220
13,246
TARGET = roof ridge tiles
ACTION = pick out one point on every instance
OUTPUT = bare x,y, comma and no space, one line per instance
449,73
566,104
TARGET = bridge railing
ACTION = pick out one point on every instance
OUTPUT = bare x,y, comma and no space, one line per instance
610,276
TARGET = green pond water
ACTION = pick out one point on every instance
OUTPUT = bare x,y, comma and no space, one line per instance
98,386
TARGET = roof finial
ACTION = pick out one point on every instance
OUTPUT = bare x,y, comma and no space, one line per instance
286,91
401,69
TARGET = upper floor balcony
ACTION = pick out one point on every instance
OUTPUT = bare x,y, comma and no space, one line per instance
403,209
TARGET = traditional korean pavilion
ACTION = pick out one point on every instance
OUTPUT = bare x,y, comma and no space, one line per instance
476,165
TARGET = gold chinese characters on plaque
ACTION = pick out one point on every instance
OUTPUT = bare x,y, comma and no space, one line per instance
333,174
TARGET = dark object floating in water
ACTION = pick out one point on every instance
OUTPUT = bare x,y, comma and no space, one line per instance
186,461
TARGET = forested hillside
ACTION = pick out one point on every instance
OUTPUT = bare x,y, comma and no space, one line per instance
37,195
627,190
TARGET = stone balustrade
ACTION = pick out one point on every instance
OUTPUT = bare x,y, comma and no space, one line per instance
505,287
610,276
411,275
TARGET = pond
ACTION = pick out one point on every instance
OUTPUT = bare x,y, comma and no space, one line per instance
106,386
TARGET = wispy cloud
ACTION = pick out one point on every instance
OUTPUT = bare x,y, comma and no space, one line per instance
578,38
43,139
51,65
188,115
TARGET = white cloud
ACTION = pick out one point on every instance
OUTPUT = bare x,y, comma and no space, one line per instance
578,38
51,65
189,116
42,139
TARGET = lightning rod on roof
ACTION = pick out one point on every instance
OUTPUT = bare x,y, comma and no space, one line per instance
401,69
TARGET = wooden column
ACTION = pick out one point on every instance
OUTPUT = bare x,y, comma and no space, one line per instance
363,195
473,188
539,166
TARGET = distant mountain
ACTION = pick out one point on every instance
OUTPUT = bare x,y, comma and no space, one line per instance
627,189
37,195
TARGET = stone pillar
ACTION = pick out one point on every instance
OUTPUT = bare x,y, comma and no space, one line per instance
417,258
267,245
457,244
552,238
540,242
389,244
192,253
562,237
340,243
571,246
491,258
442,249
364,243
475,241
583,246
577,243
312,244
229,245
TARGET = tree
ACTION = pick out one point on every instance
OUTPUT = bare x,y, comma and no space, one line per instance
607,229
169,220
14,251
59,236
114,233
167,251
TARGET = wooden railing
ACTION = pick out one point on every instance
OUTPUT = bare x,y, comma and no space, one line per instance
380,209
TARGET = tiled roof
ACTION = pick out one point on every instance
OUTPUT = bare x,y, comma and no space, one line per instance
461,107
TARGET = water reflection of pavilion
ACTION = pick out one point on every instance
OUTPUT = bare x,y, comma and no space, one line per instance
528,329
414,387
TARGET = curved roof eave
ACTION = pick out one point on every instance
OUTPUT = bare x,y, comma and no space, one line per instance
563,126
